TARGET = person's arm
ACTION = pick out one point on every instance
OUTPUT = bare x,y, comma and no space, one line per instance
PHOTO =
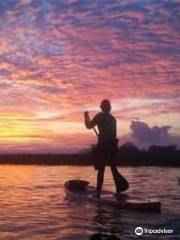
88,122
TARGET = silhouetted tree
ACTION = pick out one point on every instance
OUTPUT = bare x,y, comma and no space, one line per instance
128,147
162,149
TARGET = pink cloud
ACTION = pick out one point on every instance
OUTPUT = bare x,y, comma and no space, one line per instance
66,57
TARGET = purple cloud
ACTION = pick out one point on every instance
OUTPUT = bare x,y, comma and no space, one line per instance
68,54
145,135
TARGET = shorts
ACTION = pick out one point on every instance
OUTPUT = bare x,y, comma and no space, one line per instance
104,154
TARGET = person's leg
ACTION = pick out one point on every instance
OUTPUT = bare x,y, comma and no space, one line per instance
100,179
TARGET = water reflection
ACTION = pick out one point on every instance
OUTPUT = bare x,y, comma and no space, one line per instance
108,220
33,206
99,236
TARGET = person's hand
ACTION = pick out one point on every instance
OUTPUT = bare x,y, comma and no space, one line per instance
86,115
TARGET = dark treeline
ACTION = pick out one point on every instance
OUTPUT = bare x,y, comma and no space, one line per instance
128,155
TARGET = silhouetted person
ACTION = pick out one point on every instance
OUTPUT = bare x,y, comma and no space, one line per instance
106,149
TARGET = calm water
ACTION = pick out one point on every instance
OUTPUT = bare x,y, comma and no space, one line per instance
33,204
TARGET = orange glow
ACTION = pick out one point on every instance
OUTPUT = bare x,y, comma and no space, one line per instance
55,65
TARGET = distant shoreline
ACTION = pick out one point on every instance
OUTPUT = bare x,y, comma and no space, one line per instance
135,159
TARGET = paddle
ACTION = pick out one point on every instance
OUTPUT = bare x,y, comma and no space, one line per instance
123,184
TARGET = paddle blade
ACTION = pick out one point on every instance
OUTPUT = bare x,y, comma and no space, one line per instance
123,184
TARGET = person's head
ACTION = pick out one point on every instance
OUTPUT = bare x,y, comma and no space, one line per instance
105,105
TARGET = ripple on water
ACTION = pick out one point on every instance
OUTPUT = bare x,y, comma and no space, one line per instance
33,204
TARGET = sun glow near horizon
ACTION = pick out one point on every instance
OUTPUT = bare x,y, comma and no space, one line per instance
59,59
52,129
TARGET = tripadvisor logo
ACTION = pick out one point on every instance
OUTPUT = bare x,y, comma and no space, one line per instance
139,231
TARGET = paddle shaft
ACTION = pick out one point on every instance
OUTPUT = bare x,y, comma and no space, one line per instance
96,132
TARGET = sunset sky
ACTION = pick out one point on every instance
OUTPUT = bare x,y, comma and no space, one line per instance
59,58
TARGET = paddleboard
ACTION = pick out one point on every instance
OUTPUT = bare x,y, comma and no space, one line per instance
81,190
